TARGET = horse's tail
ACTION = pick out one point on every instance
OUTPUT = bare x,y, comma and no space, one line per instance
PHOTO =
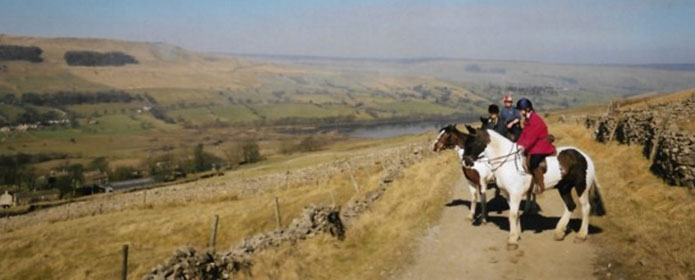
595,200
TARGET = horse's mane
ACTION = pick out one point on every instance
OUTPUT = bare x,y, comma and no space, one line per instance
498,137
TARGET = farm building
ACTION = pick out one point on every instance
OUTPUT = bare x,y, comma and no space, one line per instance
7,200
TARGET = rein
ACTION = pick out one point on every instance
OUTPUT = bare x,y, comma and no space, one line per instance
505,158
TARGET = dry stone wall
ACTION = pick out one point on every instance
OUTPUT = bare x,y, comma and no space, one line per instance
188,263
217,187
659,130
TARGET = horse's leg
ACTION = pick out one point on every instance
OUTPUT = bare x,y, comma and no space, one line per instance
527,204
514,225
561,227
586,209
474,198
483,199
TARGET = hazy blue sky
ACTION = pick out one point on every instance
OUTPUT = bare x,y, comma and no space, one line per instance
591,31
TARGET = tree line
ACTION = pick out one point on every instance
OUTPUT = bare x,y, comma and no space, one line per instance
92,58
63,98
13,52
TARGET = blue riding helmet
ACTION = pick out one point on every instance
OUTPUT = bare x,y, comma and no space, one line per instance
524,104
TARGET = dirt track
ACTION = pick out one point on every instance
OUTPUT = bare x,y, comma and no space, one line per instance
456,249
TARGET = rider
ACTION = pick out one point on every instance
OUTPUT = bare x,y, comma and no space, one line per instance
534,141
493,121
511,117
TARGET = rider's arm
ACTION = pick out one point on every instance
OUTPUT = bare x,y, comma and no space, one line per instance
529,137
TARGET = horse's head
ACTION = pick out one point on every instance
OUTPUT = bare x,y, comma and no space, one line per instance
475,144
448,137
484,121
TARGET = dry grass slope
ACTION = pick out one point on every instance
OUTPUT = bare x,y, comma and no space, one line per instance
649,232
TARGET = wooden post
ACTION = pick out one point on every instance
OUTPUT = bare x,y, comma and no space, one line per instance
100,206
657,138
124,264
354,183
620,119
332,197
213,233
278,222
287,179
67,215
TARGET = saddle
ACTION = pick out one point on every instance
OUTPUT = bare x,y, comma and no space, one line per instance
542,165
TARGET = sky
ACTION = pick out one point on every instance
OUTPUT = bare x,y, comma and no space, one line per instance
560,31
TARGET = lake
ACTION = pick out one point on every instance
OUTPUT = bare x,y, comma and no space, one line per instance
398,129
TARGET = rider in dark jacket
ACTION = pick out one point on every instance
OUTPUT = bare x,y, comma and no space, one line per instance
493,121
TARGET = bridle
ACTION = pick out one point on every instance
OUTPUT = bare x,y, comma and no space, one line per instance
498,161
495,163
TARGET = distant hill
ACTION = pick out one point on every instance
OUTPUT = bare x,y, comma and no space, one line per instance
604,80
198,88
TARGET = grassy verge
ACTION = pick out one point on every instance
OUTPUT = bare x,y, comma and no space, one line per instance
382,240
88,247
649,232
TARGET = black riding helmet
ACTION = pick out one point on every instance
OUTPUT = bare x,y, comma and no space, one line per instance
493,109
524,104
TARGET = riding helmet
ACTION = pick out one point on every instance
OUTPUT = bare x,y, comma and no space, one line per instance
524,104
493,109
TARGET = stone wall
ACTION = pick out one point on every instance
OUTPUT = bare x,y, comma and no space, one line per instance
212,189
188,263
673,158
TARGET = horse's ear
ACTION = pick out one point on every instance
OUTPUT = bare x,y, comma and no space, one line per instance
471,130
483,120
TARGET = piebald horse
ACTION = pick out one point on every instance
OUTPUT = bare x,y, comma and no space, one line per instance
478,173
571,168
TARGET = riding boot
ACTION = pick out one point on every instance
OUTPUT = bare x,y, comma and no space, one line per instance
538,179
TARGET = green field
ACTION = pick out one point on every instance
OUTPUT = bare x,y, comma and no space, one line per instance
10,112
234,113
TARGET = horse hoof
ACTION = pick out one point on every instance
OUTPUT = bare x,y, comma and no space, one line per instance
559,236
512,247
470,218
484,222
579,239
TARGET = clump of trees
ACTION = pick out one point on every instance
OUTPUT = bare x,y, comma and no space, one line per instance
63,98
13,52
91,58
31,115
161,115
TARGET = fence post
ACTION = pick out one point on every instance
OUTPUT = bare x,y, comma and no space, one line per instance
278,222
213,233
617,123
67,215
354,183
332,197
652,153
124,264
100,205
